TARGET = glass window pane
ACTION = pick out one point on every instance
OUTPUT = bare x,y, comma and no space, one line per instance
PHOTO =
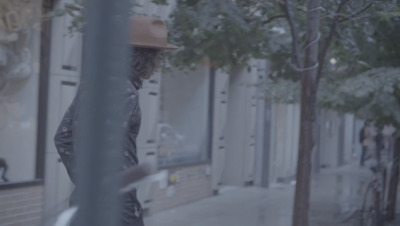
19,77
183,131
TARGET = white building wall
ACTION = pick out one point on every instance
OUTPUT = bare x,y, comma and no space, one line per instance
349,139
221,91
241,127
235,140
338,140
339,143
329,145
262,129
65,68
285,122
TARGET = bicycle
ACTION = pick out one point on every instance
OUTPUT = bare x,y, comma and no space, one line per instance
373,208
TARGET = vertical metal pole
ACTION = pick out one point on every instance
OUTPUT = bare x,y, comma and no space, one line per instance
341,139
265,179
100,110
211,98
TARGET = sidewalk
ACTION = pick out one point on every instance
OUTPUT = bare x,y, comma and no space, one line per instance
335,197
234,206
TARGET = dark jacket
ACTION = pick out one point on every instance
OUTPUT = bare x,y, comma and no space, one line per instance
132,212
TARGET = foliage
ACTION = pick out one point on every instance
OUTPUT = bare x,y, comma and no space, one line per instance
363,36
226,32
75,11
367,43
364,78
229,33
373,95
281,91
381,49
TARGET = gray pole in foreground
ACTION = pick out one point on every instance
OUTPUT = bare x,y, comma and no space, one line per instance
100,116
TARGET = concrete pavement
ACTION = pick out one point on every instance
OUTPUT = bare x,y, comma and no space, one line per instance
234,206
336,195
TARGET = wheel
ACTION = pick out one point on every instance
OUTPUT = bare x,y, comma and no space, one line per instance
369,209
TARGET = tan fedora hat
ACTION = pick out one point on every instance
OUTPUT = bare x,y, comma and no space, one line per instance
149,32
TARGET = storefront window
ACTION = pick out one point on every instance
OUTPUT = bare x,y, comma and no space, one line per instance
184,128
19,81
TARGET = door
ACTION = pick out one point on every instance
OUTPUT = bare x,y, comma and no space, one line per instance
58,186
148,135
65,67
250,129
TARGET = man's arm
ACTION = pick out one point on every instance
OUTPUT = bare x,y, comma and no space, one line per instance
63,140
132,129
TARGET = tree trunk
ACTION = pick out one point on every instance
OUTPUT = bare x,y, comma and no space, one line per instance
394,181
307,119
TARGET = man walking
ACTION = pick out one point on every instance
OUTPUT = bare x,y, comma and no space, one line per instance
147,42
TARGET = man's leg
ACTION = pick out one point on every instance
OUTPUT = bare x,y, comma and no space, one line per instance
378,152
363,152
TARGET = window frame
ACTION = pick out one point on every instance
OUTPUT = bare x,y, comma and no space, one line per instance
210,123
41,130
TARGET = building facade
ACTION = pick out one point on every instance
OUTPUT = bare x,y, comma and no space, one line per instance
206,128
185,124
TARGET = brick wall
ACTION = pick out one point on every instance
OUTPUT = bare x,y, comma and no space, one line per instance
186,185
21,206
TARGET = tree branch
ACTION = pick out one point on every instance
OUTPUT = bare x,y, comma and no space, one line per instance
293,30
273,18
328,40
341,5
355,14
